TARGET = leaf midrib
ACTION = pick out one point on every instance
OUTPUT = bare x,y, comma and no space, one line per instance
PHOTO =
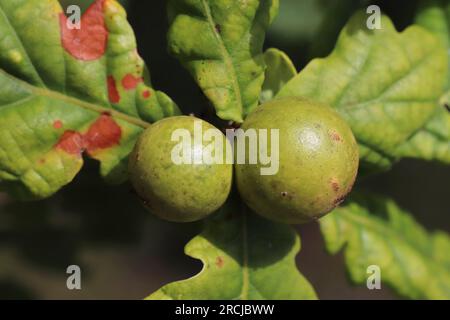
225,54
45,92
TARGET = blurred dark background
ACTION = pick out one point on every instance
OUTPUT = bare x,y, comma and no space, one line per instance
124,252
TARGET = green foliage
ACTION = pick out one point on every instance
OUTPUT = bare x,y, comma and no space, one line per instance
279,71
50,97
434,15
386,85
60,100
244,257
220,43
432,141
375,231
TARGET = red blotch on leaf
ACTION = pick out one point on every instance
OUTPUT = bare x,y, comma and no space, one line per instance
219,262
57,124
71,142
130,82
90,41
113,93
146,94
102,134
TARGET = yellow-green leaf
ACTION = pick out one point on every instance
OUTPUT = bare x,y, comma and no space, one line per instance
66,91
375,231
280,69
220,43
244,257
432,142
385,83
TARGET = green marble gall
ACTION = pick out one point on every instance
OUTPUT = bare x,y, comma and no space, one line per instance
178,192
318,162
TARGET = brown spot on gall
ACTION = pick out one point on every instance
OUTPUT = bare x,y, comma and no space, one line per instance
219,262
338,201
335,136
335,184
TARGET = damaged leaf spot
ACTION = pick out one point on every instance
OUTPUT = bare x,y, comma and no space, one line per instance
71,142
146,94
57,124
130,82
90,41
102,134
113,93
